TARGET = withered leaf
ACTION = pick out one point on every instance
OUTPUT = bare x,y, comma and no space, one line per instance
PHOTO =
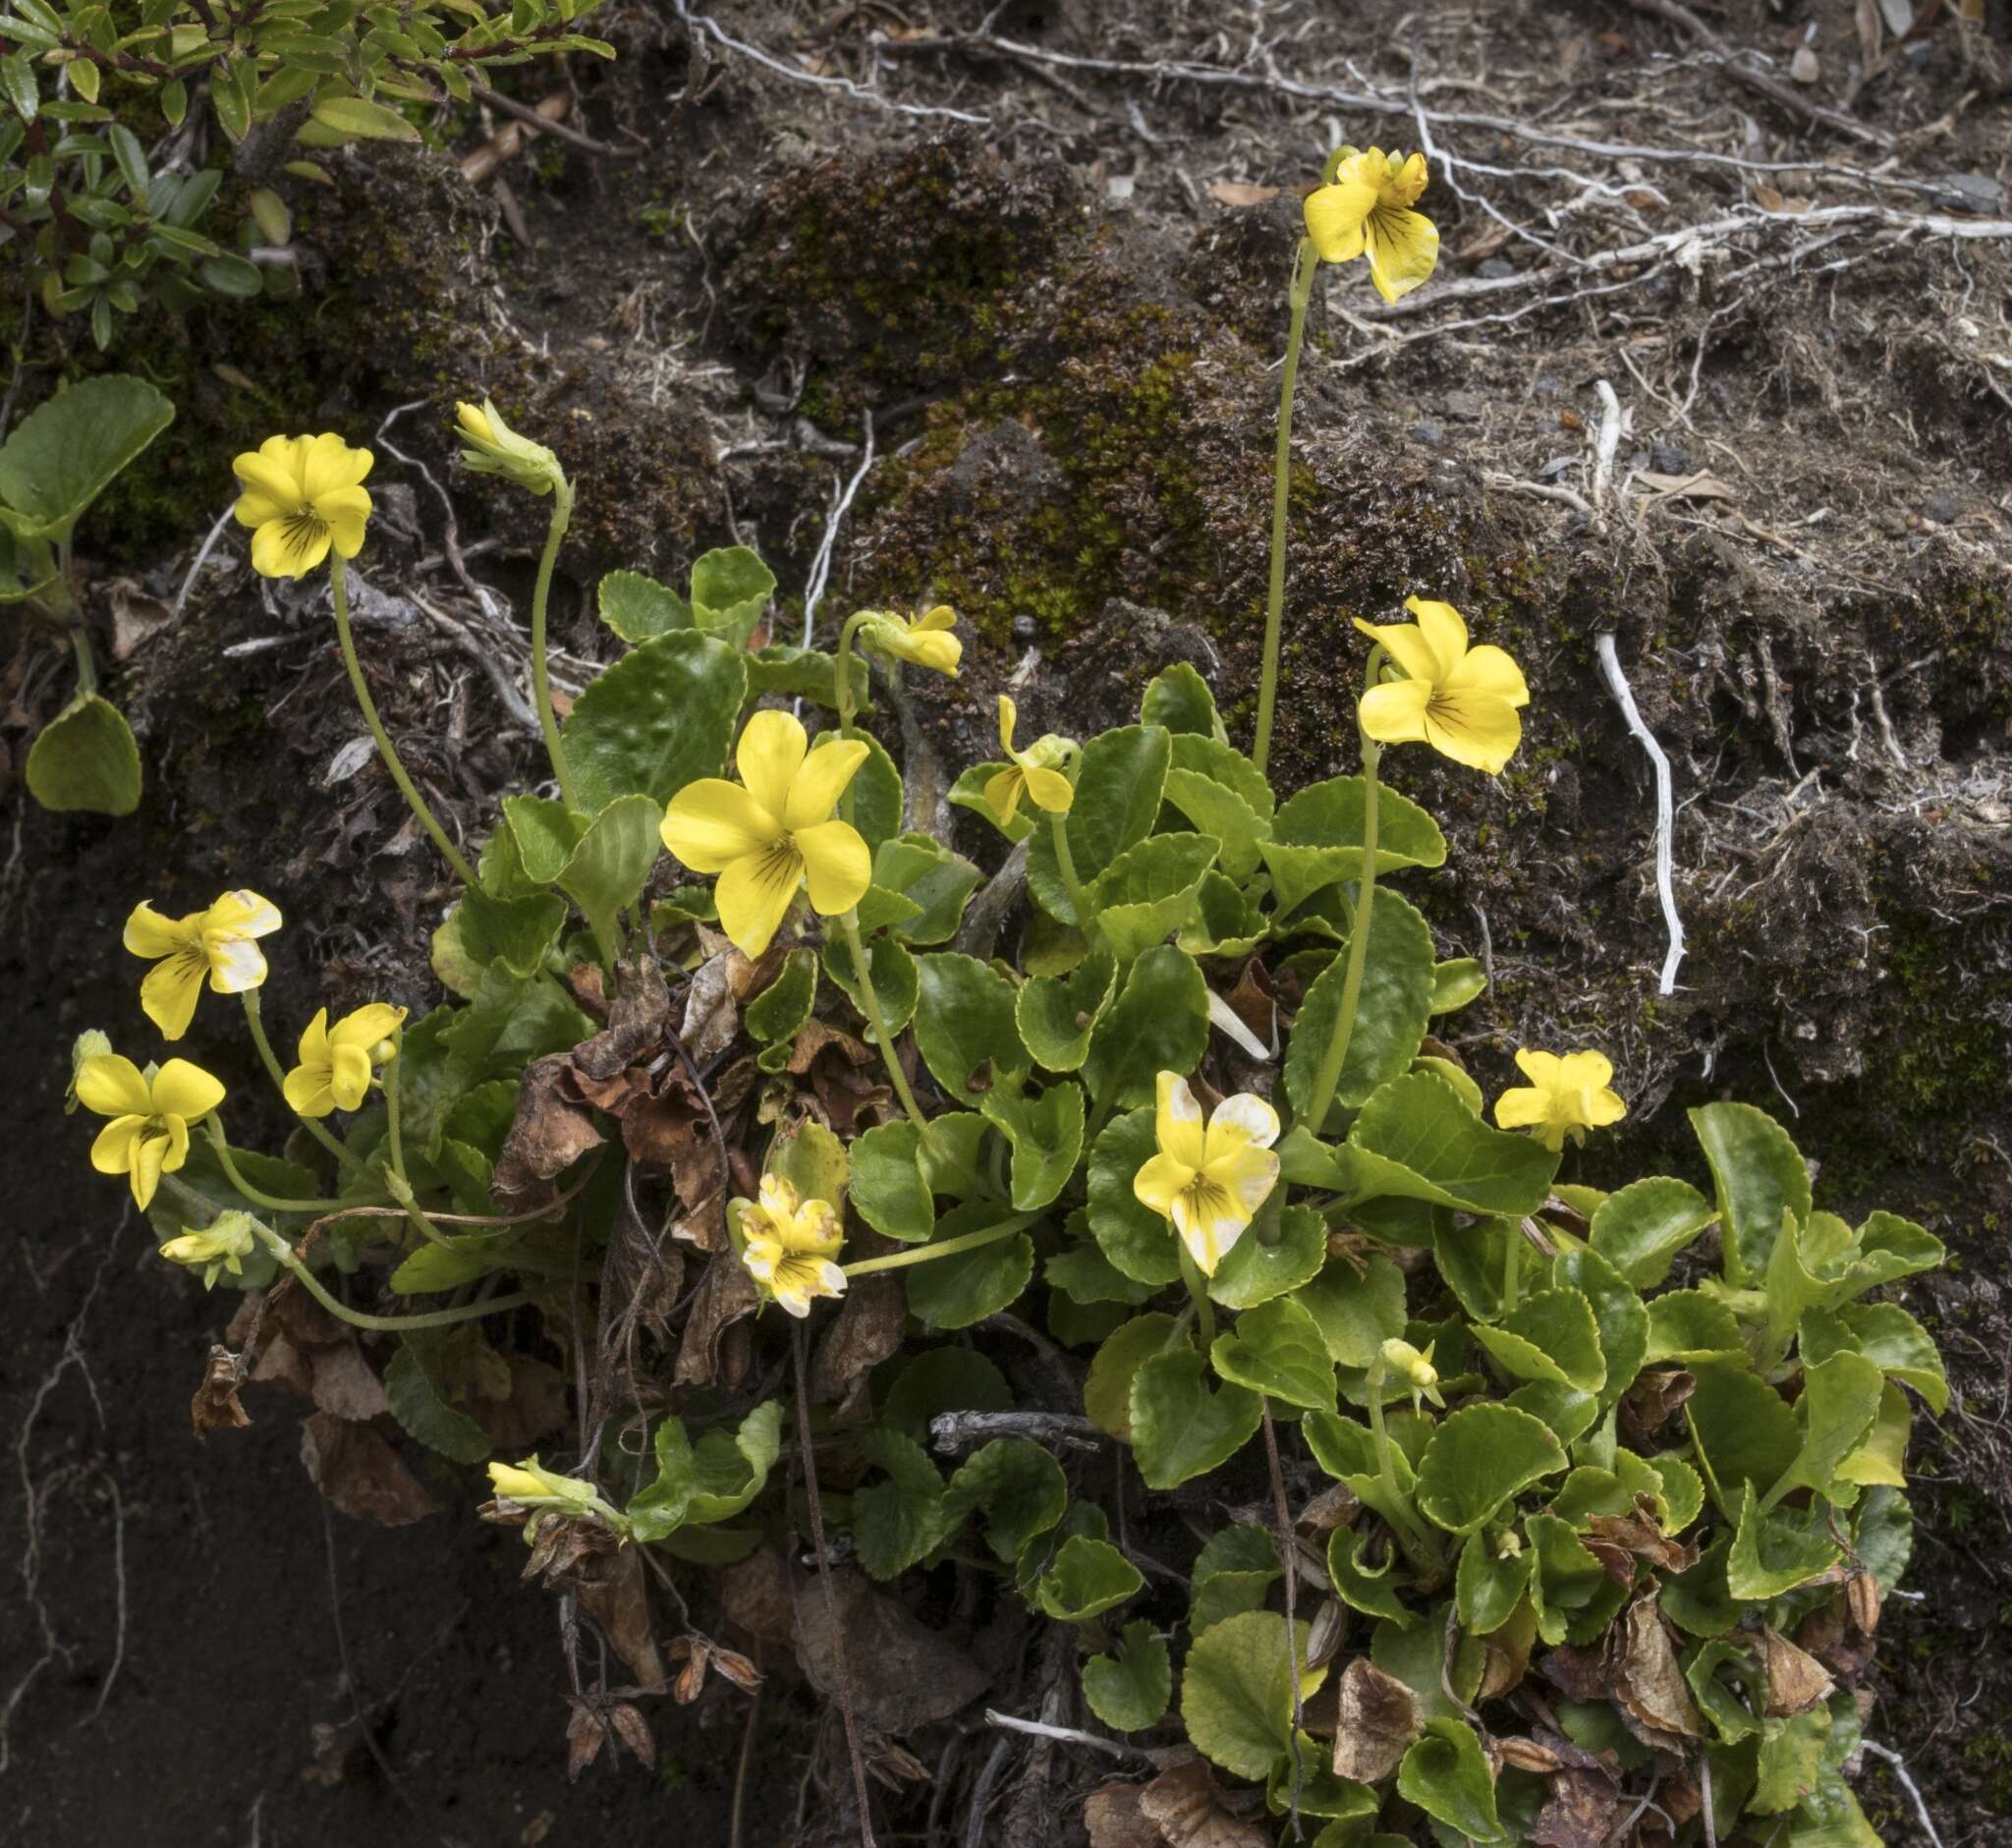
1862,1595
1240,193
1580,1811
1507,1659
536,1405
360,1474
636,1016
633,1732
904,1673
690,1654
1185,1807
756,1596
1378,1722
1578,1674
551,1130
1112,1819
1650,1403
1796,1681
620,1605
726,1294
1647,1682
1524,1755
712,1013
867,1330
342,1383
1641,1535
214,1405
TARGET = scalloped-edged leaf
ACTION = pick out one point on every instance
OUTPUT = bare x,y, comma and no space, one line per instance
1691,1326
1016,1485
898,1521
1108,1391
1139,1242
1447,1775
887,1186
730,591
1224,764
943,1379
1839,1401
1129,1689
1490,1584
1150,891
897,985
781,1008
1618,1313
519,932
1682,1490
1277,1349
964,1288
1478,1459
712,1481
638,608
1415,1140
1393,1010
1745,1431
1759,1174
1088,1577
1420,1657
1237,1690
1056,1014
1316,838
1260,1267
930,876
1118,786
84,761
1045,1134
1159,1022
1773,1552
1371,1586
1355,1310
1552,1335
659,718
1887,1336
1882,1457
421,1408
1570,1413
1641,1229
1180,1429
964,1025
1178,698
605,873
1216,809
1457,983
70,447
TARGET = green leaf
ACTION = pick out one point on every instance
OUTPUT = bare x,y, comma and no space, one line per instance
1457,983
1790,1764
957,1291
1370,1588
1129,1691
1479,1457
1415,1140
876,791
1017,1485
1550,1335
1108,1391
969,792
1744,1431
132,162
86,759
1180,1429
1622,1320
1150,891
1318,838
26,566
1566,1579
544,833
1118,787
1259,1268
930,876
888,1188
1759,1176
1234,1572
70,448
1774,1553
1417,1655
1729,1715
1569,1413
897,983
1137,1240
1159,1023
943,1379
520,933
1887,1335
1883,1538
1277,1349
1179,699
424,1414
1225,765
659,718
1697,1601
1088,1576
964,1025
898,1522
1683,1490
813,1160
1220,813
1641,1229
1056,1014
1839,1401
1687,1326
438,1267
639,608
1237,1690
784,671
1392,1014
1357,1311
352,118
1045,1134
1491,1585
605,874
712,1481
780,1010
1883,1456
730,589
1447,1775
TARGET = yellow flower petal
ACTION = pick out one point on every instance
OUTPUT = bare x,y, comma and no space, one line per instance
1394,714
150,1156
1247,1174
308,1090
330,464
1406,180
1402,250
243,913
112,1085
290,548
1476,729
1009,717
147,933
768,757
1444,630
1050,790
1176,1124
269,477
816,789
755,894
171,989
1522,1108
368,1024
1542,1069
712,824
345,510
112,1151
1408,646
1244,1121
1208,1226
942,617
837,863
349,1082
1004,791
236,966
1158,1184
185,1090
1335,216
1583,1071
1603,1107
1489,670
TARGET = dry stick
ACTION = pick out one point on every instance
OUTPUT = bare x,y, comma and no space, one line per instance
841,1670
741,1768
546,119
1068,1735
1665,807
1907,1784
1288,1554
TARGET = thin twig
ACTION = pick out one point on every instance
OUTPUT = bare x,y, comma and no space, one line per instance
1665,807
545,124
201,558
842,500
952,1432
1068,1735
1907,1784
1288,1556
349,1676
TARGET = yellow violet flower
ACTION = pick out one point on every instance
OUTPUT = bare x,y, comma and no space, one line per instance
1367,211
1209,1178
222,1246
1404,1364
1565,1097
789,1244
302,495
770,833
217,943
1461,701
148,1133
1034,773
337,1063
924,640
495,448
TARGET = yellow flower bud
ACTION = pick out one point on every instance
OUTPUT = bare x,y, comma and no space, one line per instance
222,1246
495,448
1407,1364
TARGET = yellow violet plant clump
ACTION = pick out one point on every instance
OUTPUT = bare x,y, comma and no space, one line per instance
1566,1097
1463,702
218,945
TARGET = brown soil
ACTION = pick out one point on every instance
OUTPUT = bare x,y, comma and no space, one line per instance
1065,341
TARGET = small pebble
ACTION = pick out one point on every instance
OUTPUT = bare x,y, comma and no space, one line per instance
1670,459
1026,630
1941,508
1430,434
1545,387
1464,405
1496,268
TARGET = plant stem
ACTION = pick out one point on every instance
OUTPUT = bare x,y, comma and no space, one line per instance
253,1019
1300,291
1328,1079
270,1202
401,1188
381,1325
1512,1271
950,1248
540,676
1065,864
87,661
843,674
1417,1544
339,591
876,1018
1197,1292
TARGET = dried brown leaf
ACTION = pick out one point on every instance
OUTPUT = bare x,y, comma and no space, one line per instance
552,1131
1241,192
867,1330
712,1013
1651,1401
905,1674
755,1595
1796,1680
1861,1595
136,617
620,1605
1640,1533
1507,1659
1578,1674
360,1474
1647,1682
214,1405
633,1732
1580,1811
726,1294
1378,1722
586,1733
342,1383
1185,1807
537,1404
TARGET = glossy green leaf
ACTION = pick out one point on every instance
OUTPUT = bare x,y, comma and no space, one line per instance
1883,1536
1234,1572
780,1010
1457,983
1887,1336
1088,1577
605,874
1392,1013
1618,1313
874,802
897,1521
1179,699
935,880
659,718
1840,1399
1566,1581
1282,1251
70,448
1447,1775
712,1481
1016,1485
1275,1349
888,1188
1790,1765
1729,1716
1084,1274
520,933
1683,1490
1227,921
1108,1391
1217,810
1773,1552
1759,1176
897,983
420,1407
1745,1431
943,1379
813,1160
1118,786
1369,1586
1056,1014
1159,1022
1478,1459
1357,1310
1180,1429
964,1025
1150,891
1137,1242
730,590
1237,1692
1687,1326
957,1291
1881,1456
86,760
1490,1584
1641,1229
639,608
1570,1413
1318,838
1045,1134
1129,1689
355,118
1415,1140
1550,1335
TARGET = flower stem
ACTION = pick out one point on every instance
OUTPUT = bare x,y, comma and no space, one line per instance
876,1018
1300,291
1417,1544
1197,1292
950,1248
401,1188
381,1325
253,1019
1328,1079
339,591
1065,862
1512,1270
272,1202
842,675
541,675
